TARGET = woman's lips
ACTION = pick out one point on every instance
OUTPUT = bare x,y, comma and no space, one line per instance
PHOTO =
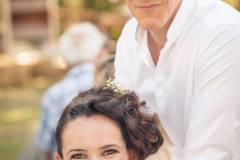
148,7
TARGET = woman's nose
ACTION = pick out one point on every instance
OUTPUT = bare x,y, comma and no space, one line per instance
95,158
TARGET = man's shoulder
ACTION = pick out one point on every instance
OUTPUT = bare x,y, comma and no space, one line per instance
131,25
216,14
129,30
127,41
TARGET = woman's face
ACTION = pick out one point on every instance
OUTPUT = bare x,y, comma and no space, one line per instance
152,14
93,138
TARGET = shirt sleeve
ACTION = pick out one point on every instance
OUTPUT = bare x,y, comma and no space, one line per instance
50,108
213,128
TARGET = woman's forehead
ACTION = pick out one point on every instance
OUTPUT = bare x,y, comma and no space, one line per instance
94,131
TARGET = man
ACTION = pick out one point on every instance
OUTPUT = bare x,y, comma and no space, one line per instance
81,45
182,57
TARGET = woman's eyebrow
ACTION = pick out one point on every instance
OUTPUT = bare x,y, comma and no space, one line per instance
109,145
76,150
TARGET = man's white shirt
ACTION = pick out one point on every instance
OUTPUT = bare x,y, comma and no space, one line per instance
195,85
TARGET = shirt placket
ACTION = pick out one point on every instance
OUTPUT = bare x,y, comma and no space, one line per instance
161,91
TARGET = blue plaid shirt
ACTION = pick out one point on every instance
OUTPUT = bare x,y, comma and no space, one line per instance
78,79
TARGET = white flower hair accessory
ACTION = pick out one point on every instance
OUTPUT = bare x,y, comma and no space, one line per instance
116,87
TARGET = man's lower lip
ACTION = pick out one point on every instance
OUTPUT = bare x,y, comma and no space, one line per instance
148,7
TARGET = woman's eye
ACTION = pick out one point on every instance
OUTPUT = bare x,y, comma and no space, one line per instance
78,157
110,152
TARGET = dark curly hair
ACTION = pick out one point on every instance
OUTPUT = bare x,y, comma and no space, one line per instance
140,130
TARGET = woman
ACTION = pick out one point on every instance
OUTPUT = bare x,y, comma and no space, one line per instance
106,123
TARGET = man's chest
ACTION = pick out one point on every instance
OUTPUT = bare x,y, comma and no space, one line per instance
168,87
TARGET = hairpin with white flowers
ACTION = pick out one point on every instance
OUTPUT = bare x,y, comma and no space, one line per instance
116,87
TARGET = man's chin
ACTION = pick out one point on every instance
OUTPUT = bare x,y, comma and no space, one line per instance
150,24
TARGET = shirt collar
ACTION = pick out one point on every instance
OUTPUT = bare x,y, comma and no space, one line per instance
182,17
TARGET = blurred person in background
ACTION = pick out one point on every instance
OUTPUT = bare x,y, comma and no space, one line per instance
82,45
182,57
104,70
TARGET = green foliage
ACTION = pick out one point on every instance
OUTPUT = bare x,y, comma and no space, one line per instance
71,3
98,4
115,32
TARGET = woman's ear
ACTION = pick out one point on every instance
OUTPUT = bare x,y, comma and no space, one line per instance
58,157
132,155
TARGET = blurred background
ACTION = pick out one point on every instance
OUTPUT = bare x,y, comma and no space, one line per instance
29,60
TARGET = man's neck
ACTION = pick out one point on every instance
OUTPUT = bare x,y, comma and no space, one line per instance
155,46
157,38
156,41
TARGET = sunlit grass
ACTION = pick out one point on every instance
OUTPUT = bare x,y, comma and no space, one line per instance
9,148
19,114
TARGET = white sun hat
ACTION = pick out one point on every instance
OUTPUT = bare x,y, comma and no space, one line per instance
81,42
